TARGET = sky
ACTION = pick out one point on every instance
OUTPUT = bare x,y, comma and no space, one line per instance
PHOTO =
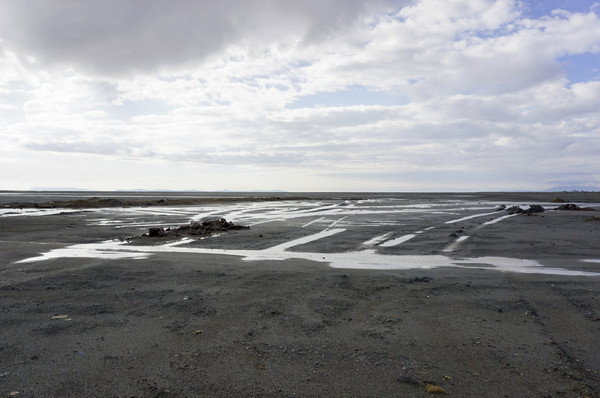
303,95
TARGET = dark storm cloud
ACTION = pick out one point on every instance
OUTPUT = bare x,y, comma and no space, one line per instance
115,36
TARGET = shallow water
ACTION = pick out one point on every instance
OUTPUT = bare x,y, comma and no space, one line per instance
381,224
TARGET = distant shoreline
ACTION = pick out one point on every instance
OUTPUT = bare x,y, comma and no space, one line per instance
99,199
97,202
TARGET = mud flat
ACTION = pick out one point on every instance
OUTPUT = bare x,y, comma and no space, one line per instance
324,296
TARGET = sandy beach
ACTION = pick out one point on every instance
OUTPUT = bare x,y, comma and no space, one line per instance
337,295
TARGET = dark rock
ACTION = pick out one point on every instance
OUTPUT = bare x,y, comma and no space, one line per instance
195,225
572,206
202,228
154,232
534,209
514,210
568,206
418,279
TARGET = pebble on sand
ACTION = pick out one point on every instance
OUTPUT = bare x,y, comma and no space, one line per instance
430,388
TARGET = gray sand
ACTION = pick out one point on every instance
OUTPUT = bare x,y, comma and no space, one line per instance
184,325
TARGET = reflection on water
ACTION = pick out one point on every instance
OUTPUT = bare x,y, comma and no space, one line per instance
364,259
382,224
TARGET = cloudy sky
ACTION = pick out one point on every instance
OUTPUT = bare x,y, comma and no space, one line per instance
303,95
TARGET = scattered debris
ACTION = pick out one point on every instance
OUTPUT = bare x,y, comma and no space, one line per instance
532,209
418,279
430,388
456,233
60,317
199,331
202,228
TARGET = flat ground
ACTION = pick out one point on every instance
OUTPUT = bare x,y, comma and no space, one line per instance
204,323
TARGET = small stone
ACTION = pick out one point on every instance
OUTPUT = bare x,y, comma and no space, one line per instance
430,388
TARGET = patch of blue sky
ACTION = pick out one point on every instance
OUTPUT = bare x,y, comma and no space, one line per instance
13,97
174,78
129,109
11,115
300,64
252,81
266,80
581,67
352,96
540,8
390,14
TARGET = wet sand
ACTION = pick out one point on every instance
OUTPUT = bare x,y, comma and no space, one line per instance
185,324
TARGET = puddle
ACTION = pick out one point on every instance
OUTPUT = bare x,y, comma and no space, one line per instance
454,245
364,259
495,220
35,212
347,214
471,217
377,239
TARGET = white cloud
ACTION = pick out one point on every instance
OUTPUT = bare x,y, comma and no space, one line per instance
143,35
478,97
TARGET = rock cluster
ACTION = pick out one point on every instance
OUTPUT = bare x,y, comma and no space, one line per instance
203,228
572,206
539,209
532,210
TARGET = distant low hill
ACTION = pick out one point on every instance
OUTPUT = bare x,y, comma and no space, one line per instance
574,188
